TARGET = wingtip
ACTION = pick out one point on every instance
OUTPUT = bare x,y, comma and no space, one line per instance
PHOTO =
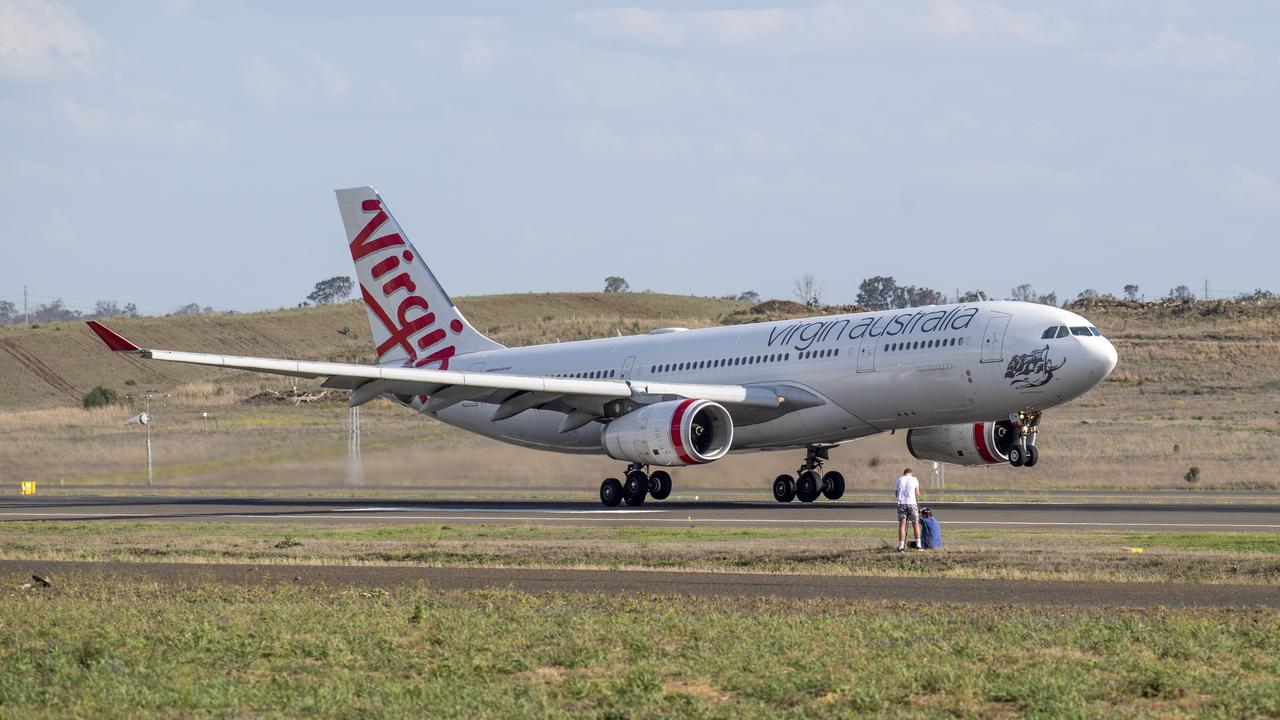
112,340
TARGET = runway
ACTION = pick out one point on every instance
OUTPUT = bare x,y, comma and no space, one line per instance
823,514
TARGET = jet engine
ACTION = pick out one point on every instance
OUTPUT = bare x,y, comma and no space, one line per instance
676,432
984,443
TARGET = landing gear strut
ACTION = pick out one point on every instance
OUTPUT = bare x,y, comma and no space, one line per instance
1024,453
634,486
808,484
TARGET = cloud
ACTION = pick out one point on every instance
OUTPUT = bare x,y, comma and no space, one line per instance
40,39
142,123
309,78
832,24
1246,188
264,82
333,82
477,54
1003,176
594,139
1173,49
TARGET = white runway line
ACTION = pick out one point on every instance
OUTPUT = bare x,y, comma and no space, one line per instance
69,515
493,510
761,520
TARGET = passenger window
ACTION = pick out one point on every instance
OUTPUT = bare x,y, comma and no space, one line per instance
1063,331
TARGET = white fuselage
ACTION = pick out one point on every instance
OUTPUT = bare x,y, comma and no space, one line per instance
863,373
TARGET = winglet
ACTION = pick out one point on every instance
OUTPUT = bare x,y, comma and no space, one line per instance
112,340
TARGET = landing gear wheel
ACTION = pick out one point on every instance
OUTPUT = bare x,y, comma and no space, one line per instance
1016,458
633,500
808,486
833,485
611,492
659,485
784,489
636,486
1033,457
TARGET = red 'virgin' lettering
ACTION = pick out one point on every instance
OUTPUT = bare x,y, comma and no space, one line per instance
362,245
385,266
400,281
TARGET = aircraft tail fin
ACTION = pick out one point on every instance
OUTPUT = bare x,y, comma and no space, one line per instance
414,321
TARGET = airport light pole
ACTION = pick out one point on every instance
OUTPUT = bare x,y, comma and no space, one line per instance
355,464
144,419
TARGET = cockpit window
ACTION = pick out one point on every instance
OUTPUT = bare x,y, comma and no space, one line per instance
1063,331
1084,331
1095,331
1049,334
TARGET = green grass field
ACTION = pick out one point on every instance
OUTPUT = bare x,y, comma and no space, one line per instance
101,650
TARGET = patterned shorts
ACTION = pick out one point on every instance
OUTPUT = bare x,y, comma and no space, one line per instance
908,512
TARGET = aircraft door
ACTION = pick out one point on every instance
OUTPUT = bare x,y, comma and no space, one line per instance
627,367
867,354
993,338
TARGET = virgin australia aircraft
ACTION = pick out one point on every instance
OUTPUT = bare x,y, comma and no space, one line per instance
967,382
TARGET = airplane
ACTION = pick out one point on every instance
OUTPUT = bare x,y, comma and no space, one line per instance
968,382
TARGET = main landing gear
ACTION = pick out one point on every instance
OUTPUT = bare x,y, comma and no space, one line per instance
1023,453
636,484
808,484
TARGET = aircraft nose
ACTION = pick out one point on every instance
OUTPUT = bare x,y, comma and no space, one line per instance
1101,358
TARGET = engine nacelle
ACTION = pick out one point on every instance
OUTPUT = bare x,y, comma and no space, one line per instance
984,443
676,432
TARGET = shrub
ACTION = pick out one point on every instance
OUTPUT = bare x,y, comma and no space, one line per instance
100,397
1193,475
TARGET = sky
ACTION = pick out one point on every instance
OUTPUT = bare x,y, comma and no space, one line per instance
165,152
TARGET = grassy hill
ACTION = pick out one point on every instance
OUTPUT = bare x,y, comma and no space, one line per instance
1197,386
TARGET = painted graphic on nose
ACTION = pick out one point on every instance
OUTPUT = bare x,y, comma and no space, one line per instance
1032,370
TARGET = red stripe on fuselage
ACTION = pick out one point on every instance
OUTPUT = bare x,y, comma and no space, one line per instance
980,439
677,437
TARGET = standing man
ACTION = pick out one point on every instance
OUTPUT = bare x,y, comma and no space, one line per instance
907,491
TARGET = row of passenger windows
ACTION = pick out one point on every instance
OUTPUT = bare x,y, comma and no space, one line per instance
761,359
923,344
589,374
723,362
1061,331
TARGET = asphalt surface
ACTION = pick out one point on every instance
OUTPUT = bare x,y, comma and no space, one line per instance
1058,516
66,575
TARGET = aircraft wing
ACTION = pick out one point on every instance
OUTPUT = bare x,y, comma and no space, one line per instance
512,393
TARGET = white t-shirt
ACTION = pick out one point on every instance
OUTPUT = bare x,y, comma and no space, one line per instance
905,488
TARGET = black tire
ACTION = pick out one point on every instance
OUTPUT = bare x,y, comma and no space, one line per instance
659,485
1015,456
784,488
1033,456
808,486
611,492
833,485
633,501
635,486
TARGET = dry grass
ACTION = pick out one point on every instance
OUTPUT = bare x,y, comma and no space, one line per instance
1012,555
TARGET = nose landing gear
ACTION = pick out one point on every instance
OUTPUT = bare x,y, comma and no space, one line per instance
1024,453
634,486
808,485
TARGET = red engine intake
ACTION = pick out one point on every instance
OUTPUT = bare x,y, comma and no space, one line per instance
676,432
